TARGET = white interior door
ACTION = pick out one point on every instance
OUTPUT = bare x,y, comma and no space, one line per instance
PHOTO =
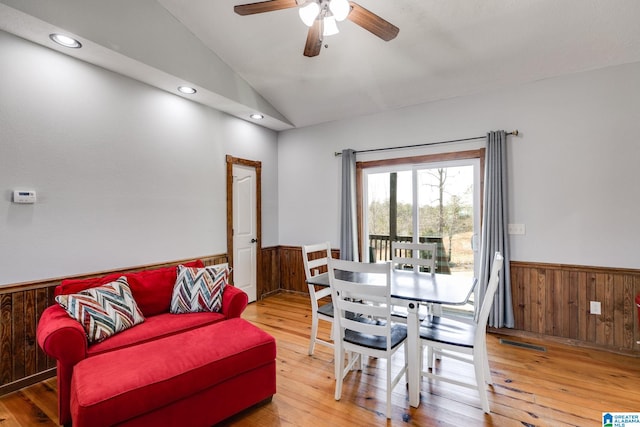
245,244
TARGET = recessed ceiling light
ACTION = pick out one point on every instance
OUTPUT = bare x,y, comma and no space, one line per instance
186,89
65,41
257,116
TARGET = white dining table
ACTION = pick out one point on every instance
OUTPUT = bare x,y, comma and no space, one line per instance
411,289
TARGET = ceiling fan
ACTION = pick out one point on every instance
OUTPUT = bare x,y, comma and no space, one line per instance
321,16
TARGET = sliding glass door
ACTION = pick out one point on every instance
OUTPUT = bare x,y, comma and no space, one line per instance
427,202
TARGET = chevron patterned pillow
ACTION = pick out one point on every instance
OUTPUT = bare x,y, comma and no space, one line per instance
199,289
103,311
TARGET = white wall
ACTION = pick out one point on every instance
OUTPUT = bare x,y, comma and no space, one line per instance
125,174
574,171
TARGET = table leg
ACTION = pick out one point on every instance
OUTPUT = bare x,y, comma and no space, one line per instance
413,348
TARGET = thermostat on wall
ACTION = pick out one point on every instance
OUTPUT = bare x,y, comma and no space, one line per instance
22,196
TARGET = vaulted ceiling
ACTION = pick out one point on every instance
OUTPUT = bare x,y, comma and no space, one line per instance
245,64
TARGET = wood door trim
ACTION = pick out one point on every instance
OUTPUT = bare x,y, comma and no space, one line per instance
258,167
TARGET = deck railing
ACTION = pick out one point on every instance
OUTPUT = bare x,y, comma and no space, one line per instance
380,249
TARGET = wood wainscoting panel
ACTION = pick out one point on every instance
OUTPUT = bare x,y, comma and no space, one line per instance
554,300
269,272
22,362
20,355
292,277
549,300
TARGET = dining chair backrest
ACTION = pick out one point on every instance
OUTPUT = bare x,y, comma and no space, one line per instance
365,294
489,296
422,258
314,264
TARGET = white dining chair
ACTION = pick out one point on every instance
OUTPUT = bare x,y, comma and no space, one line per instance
419,257
364,326
315,259
448,338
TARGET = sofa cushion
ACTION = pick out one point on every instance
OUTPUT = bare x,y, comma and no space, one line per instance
151,288
103,311
199,289
154,327
73,286
112,388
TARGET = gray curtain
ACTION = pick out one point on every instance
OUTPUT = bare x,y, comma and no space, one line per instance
494,229
348,221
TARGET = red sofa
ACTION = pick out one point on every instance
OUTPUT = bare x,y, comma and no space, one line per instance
64,339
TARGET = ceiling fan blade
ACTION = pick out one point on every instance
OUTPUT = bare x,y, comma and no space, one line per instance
314,39
264,6
372,22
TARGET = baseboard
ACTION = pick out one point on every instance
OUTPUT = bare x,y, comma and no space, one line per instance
27,381
559,340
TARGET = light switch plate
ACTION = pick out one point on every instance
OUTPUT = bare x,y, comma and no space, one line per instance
594,307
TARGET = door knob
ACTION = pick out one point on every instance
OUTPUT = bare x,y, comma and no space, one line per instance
254,240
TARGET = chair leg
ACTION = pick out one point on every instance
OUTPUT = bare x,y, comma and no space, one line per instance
429,352
429,357
479,367
432,311
339,369
353,358
388,411
488,378
314,333
436,310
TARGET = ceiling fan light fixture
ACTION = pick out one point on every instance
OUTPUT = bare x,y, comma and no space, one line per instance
321,17
340,9
309,12
330,26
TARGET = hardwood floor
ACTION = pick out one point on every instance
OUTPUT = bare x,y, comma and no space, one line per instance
561,386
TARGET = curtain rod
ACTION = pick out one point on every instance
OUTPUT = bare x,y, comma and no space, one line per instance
514,133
